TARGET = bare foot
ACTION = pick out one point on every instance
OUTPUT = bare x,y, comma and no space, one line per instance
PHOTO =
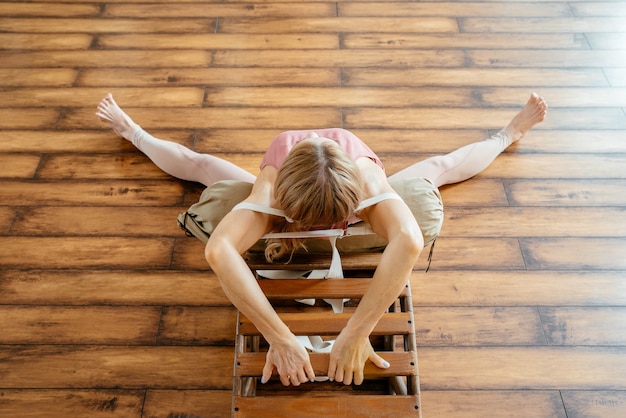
120,122
533,113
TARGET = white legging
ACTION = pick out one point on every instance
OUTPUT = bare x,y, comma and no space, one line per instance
183,163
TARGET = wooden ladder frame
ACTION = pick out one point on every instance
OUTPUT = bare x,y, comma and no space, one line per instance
388,392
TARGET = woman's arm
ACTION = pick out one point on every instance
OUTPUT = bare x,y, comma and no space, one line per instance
237,232
392,220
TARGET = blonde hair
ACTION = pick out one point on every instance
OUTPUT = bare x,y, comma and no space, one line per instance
318,185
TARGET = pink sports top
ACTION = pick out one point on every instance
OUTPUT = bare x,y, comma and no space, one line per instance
282,144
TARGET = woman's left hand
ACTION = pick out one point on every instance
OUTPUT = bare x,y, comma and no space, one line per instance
348,358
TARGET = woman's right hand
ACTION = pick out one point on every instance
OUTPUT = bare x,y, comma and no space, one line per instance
292,362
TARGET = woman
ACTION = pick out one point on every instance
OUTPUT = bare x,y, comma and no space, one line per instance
313,180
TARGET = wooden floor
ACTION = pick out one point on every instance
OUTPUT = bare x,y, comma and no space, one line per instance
108,310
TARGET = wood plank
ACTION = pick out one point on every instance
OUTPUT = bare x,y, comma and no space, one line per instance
585,192
599,9
21,9
148,77
454,9
55,141
616,76
84,252
479,404
587,97
7,217
91,58
86,25
543,25
336,406
529,166
536,222
594,404
464,77
381,140
549,59
518,288
607,40
338,58
317,288
584,326
401,364
38,367
489,368
234,41
574,253
330,323
449,326
27,41
79,325
338,24
102,166
185,325
18,166
111,287
90,221
88,193
600,141
189,403
339,96
28,118
476,192
216,9
27,77
382,41
238,118
53,403
73,97
451,118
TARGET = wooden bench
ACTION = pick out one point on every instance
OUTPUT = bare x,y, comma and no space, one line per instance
388,392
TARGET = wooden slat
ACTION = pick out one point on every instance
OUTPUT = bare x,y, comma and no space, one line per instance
115,193
111,287
545,25
46,366
463,77
16,166
52,141
329,323
119,58
21,9
345,97
27,77
238,118
478,192
7,216
315,288
175,97
28,118
549,59
172,403
84,252
401,364
201,9
528,221
617,76
210,76
338,58
481,403
220,41
58,403
591,192
594,404
518,288
584,326
339,24
123,166
358,406
443,326
78,325
85,25
185,325
587,97
592,253
462,40
353,261
44,42
606,40
453,9
89,221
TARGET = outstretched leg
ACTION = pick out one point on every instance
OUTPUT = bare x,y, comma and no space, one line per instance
173,158
471,159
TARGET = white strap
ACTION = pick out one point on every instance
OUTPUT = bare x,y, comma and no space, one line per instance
377,199
263,209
